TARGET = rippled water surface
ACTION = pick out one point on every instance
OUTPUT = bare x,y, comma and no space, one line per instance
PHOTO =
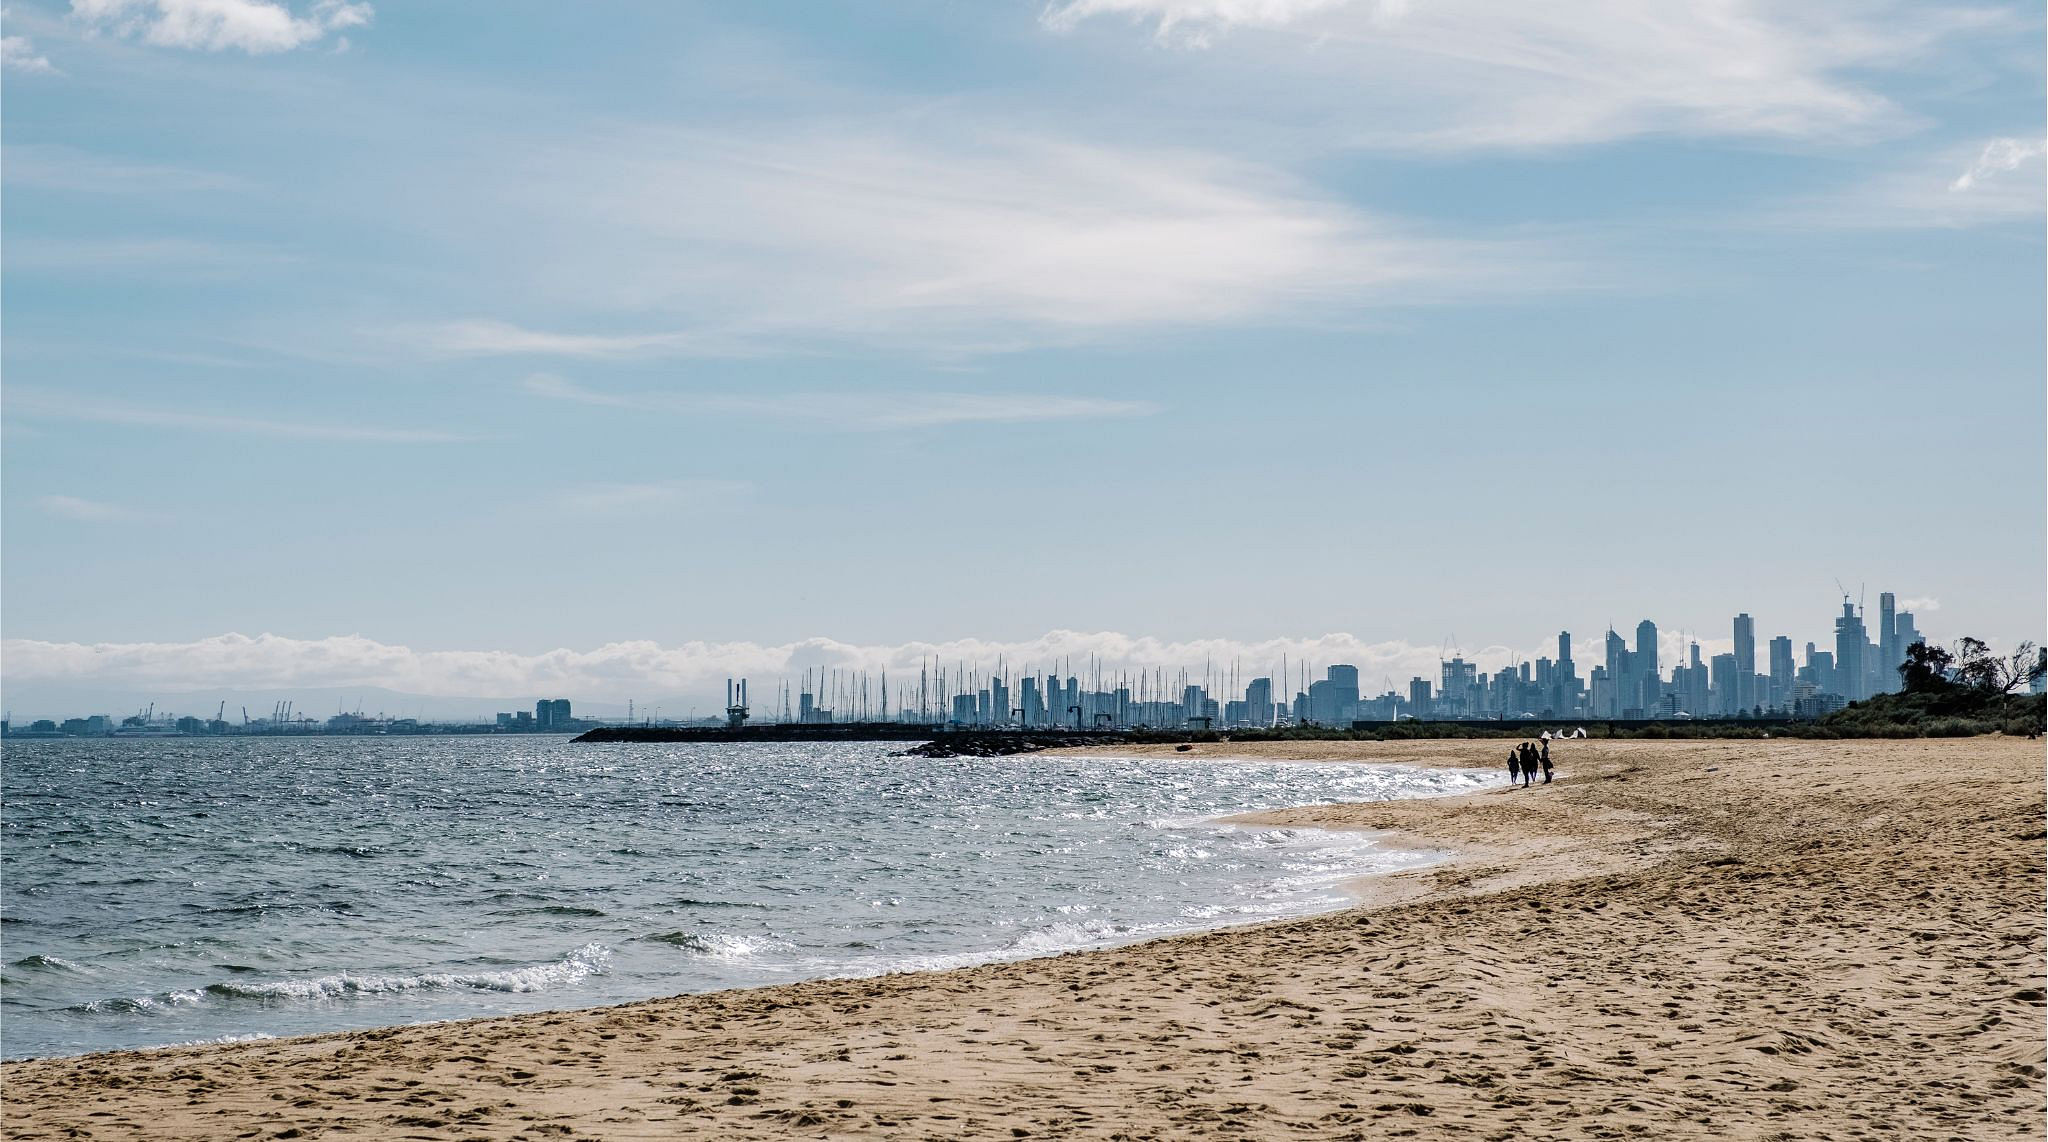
184,890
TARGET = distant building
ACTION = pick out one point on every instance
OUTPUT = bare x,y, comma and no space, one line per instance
1725,692
1745,661
1620,675
1782,672
1889,653
1258,701
1816,706
1418,697
1334,700
551,714
1030,700
1456,690
1645,661
1696,687
1850,640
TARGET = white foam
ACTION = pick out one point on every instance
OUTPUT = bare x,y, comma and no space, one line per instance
721,947
588,960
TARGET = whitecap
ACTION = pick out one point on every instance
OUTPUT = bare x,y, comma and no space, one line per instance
588,960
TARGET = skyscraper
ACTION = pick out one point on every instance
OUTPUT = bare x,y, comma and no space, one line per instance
1849,641
1454,694
1724,684
1909,634
1696,694
1745,661
1782,672
1334,701
1648,679
1620,678
1889,652
1258,701
1567,673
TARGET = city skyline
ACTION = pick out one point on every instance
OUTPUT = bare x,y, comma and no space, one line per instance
679,684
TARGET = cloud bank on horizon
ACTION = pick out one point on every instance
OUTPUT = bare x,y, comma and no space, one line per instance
646,669
619,670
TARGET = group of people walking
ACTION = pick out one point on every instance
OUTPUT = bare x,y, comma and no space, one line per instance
1525,759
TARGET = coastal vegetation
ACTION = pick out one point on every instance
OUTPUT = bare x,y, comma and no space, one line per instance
1970,690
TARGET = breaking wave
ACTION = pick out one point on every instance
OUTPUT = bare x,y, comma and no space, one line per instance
589,960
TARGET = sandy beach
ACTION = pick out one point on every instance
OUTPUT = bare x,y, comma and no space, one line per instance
1725,939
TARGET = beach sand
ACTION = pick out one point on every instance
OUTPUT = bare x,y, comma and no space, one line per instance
1715,939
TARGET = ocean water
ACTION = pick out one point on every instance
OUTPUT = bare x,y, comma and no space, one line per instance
176,891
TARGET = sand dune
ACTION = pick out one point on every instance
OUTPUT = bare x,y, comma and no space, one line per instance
1782,940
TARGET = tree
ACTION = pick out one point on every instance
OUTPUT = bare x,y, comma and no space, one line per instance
1926,668
1978,667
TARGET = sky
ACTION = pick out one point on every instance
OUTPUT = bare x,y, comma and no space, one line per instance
532,347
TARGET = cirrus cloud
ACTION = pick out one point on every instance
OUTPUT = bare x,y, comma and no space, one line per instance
1459,74
949,239
867,411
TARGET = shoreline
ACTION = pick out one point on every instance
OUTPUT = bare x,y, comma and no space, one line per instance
1344,885
1692,938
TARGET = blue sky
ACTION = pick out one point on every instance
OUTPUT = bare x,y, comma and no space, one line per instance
502,330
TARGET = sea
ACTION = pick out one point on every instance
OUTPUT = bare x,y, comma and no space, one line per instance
193,890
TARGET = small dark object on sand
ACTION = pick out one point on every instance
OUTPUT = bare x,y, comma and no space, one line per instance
1182,748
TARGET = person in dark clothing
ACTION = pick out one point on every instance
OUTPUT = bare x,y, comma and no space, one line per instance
1514,766
1528,765
1544,757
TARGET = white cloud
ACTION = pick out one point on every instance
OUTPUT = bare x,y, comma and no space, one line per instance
1193,22
645,669
865,411
253,26
2000,157
951,240
1925,604
2001,181
484,338
1480,73
51,407
84,510
18,53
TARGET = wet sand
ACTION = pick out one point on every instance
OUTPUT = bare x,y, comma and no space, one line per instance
1772,940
